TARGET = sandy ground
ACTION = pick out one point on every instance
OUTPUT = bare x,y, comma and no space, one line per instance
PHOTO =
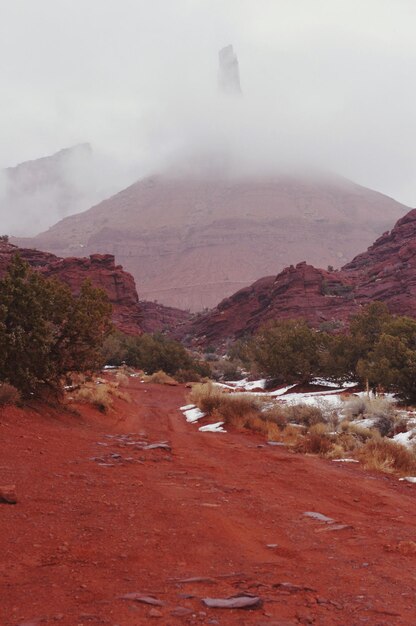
223,508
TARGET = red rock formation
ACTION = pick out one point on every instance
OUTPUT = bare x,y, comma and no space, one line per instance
386,272
129,315
189,243
100,269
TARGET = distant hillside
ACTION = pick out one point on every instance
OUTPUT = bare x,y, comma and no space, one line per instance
190,243
386,272
34,194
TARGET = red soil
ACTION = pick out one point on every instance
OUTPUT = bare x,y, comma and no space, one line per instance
84,534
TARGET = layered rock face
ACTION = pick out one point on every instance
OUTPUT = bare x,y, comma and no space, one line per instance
100,269
327,299
190,243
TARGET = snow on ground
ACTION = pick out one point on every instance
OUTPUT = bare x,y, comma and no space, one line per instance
327,399
213,428
323,382
407,439
193,415
366,422
280,392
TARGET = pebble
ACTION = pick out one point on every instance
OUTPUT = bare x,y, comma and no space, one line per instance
8,494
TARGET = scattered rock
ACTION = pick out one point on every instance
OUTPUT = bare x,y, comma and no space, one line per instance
332,527
154,446
319,516
138,597
235,602
291,588
196,579
8,494
181,611
155,613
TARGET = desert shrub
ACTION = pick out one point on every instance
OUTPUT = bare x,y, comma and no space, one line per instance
355,406
122,378
227,369
388,456
99,395
206,396
317,440
381,410
304,414
276,415
153,353
8,394
292,435
187,376
46,332
231,407
160,378
286,350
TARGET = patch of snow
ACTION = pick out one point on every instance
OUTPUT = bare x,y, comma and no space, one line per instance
330,399
187,407
213,428
367,422
254,384
406,439
225,386
409,479
323,382
193,415
346,460
244,384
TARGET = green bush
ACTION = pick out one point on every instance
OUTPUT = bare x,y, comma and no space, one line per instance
46,332
151,353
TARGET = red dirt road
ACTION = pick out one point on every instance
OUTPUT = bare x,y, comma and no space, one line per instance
83,533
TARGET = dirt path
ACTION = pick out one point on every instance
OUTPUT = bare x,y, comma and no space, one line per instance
86,532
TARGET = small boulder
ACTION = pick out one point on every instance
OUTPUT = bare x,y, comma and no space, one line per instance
8,494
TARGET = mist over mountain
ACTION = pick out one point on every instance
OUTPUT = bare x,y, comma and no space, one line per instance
326,86
189,242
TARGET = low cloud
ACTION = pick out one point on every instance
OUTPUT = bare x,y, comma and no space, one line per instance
326,86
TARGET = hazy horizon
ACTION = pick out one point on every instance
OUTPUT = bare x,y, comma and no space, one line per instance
326,86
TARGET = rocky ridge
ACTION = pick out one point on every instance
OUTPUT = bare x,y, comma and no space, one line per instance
385,272
190,242
129,315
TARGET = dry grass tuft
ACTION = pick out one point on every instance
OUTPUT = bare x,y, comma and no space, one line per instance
318,440
303,414
292,435
8,394
385,455
122,379
101,396
160,378
233,409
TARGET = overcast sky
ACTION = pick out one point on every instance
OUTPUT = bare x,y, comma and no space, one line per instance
326,82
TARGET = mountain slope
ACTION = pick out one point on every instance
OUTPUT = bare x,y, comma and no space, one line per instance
189,243
35,194
386,272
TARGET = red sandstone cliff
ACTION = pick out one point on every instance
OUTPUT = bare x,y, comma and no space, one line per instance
189,243
386,272
129,315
